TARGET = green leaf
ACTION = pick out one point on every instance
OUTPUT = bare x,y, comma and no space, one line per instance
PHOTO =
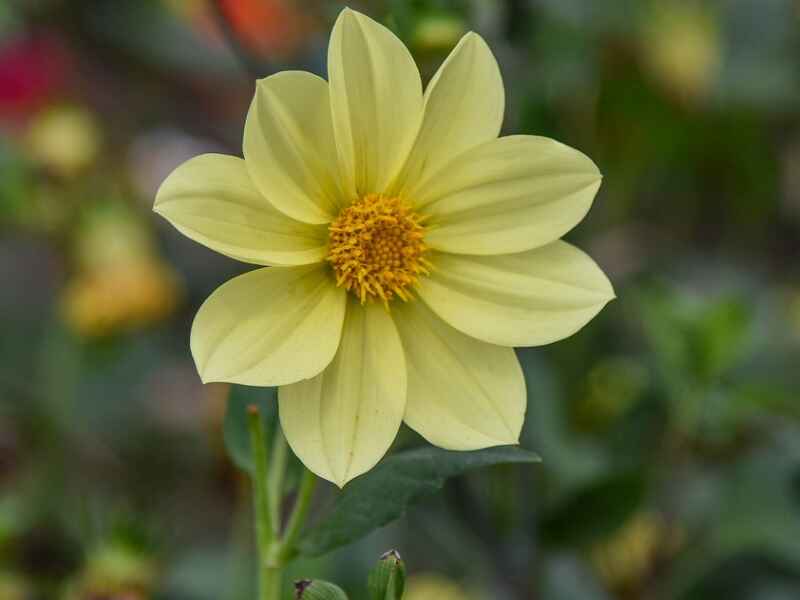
318,590
382,495
236,433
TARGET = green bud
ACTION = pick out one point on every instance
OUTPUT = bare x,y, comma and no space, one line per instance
387,581
305,589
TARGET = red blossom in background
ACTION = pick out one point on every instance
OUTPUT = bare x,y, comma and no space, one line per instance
32,70
267,26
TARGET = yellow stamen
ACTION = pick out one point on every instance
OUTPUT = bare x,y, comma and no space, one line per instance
376,248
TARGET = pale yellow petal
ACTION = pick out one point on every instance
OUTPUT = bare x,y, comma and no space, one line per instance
526,299
508,195
341,422
270,326
463,394
376,101
464,105
290,148
212,200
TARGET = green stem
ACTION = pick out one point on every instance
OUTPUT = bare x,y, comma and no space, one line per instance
277,470
298,516
270,583
265,534
274,550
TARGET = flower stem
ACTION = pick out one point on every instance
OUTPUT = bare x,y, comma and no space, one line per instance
274,549
269,581
277,470
298,516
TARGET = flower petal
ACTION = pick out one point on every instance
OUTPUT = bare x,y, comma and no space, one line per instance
343,421
376,101
211,199
268,327
289,146
508,195
463,394
464,105
526,299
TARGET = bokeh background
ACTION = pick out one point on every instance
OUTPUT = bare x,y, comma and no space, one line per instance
669,427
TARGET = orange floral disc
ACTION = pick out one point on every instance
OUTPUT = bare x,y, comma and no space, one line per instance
376,248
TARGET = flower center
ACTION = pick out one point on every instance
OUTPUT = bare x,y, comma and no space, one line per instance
376,248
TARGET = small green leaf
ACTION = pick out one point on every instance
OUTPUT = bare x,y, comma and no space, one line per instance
383,494
236,433
306,589
387,581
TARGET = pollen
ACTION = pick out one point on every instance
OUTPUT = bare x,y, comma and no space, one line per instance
376,249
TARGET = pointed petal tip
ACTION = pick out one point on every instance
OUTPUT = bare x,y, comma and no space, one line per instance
513,436
610,292
342,481
477,43
338,480
158,200
474,37
207,377
348,13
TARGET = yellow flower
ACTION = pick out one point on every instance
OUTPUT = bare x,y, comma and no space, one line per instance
119,284
131,295
409,250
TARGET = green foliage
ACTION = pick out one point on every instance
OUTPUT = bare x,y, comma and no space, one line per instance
753,510
700,339
383,494
236,432
318,590
612,500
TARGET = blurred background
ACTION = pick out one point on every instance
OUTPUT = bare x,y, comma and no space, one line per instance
669,427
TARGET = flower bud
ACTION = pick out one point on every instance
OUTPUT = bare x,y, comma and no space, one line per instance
305,589
387,581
